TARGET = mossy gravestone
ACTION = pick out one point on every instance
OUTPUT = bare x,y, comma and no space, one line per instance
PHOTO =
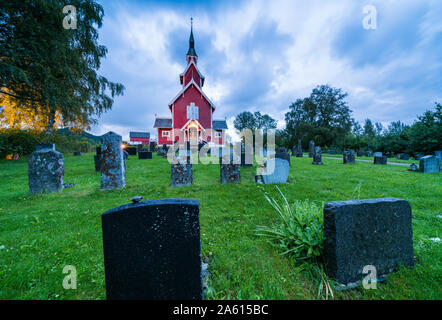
349,157
152,251
371,232
112,162
230,169
45,169
181,173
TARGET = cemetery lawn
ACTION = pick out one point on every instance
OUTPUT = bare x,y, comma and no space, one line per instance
40,234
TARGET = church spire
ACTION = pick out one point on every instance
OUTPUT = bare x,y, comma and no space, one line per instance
191,51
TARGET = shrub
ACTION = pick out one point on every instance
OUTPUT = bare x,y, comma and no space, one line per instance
299,231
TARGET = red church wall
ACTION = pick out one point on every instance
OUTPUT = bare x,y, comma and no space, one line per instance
218,140
164,140
180,109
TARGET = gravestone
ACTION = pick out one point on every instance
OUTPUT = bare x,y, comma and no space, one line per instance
349,157
139,147
152,251
311,149
152,146
369,154
181,173
77,154
405,156
373,232
380,159
429,164
112,162
438,154
317,156
230,170
97,159
45,169
293,151
378,154
418,156
299,149
132,151
283,155
144,155
360,154
276,170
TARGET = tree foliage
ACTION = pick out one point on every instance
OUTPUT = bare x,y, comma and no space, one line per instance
53,70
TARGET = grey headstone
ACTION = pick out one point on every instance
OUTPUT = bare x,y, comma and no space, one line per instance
276,171
311,148
317,156
283,155
181,173
366,232
45,170
299,149
112,162
152,251
230,169
429,164
349,157
380,160
438,154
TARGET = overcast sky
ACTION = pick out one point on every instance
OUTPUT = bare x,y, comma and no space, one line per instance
263,55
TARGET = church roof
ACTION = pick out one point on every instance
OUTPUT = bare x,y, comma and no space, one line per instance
191,82
219,125
163,123
191,51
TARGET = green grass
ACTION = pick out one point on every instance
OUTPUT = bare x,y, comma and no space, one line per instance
40,234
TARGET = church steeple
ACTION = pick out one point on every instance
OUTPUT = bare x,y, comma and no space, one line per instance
191,51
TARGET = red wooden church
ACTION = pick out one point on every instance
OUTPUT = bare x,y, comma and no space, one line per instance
192,111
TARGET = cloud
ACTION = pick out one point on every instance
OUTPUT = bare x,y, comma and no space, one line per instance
263,55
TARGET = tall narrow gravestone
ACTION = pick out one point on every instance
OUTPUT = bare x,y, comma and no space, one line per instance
45,169
152,251
311,148
299,149
97,159
317,156
112,162
371,232
429,164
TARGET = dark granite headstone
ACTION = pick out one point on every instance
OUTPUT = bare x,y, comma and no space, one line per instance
98,149
283,155
299,149
366,232
152,251
181,173
152,146
45,169
317,156
230,172
380,159
132,151
311,149
97,162
77,154
429,164
405,156
144,155
349,157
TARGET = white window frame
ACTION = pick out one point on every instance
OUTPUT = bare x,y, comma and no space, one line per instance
165,133
218,134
